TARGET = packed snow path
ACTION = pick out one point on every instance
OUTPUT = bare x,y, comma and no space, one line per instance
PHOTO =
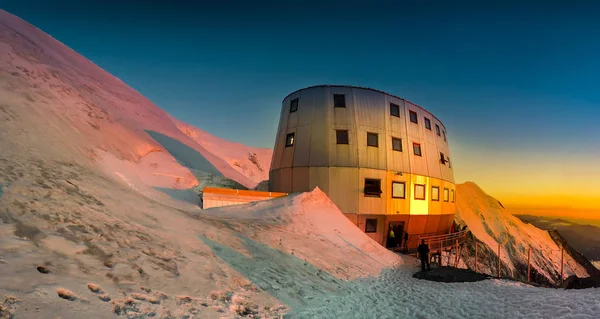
311,293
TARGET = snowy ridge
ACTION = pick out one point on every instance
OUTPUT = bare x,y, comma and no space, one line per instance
491,224
51,81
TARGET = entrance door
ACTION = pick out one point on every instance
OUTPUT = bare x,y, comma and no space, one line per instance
396,241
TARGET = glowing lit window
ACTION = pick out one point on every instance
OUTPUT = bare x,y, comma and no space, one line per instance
435,193
413,117
397,144
294,105
417,149
394,110
446,195
428,124
289,140
372,139
371,225
339,100
398,190
419,191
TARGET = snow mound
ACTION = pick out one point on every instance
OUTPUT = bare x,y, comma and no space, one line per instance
309,225
490,223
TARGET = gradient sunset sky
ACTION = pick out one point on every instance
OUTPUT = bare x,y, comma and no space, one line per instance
516,85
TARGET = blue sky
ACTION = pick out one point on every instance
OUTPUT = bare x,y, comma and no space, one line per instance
513,83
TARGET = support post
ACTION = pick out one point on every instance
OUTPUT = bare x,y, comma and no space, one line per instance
456,261
529,264
476,249
498,260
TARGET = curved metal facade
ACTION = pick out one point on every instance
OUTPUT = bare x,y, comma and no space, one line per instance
347,140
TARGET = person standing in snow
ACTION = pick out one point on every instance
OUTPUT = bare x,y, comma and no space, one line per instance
423,250
406,241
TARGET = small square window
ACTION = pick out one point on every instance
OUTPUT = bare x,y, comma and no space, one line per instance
428,124
435,193
398,190
394,110
442,158
413,117
452,197
373,187
444,132
294,105
371,225
339,100
397,144
445,194
437,130
289,140
341,136
372,139
419,191
417,149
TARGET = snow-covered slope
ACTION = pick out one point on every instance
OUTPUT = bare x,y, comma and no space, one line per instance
85,232
492,225
73,103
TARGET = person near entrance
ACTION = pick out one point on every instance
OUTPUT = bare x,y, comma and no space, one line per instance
406,242
423,250
391,240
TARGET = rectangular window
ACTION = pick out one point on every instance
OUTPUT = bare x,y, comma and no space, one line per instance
371,225
341,136
373,187
437,130
419,191
413,117
428,124
294,105
449,163
398,190
394,110
372,139
397,144
417,149
289,140
452,197
444,132
445,194
339,100
435,193
442,158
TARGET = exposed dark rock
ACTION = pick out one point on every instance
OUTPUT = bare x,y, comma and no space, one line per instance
450,274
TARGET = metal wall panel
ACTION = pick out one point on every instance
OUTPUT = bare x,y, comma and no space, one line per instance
344,188
319,146
285,180
395,206
302,146
306,107
319,177
300,179
434,166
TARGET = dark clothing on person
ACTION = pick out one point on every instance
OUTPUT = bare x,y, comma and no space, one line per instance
423,250
406,242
